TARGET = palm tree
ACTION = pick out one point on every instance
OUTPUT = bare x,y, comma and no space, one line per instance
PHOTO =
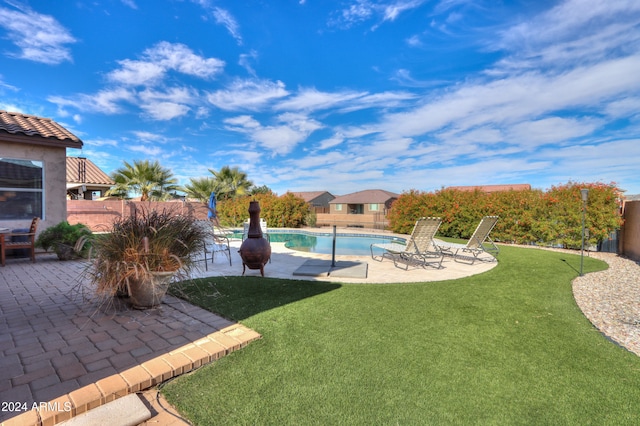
149,179
233,182
201,188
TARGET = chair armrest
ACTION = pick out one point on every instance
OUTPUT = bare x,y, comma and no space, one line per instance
20,234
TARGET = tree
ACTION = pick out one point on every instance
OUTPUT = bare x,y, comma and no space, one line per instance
233,182
149,179
264,189
201,188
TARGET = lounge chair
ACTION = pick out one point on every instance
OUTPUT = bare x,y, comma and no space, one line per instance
420,248
30,243
477,244
216,241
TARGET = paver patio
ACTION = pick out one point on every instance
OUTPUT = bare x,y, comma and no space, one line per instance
55,346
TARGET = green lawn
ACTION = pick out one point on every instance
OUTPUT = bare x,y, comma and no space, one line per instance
509,346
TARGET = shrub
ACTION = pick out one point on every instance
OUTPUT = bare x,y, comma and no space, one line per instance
62,233
532,216
278,211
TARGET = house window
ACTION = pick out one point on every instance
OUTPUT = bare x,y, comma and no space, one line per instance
373,207
338,207
356,208
21,189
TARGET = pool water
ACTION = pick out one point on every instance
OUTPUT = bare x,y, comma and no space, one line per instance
346,244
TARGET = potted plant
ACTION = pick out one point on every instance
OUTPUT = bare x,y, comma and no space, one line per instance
67,240
143,253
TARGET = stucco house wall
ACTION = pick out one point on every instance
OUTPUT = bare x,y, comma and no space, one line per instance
27,137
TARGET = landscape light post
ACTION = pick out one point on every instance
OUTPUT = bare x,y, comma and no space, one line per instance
584,193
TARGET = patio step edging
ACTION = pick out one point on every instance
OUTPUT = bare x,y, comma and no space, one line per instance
136,379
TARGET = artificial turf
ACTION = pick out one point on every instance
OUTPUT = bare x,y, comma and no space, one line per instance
508,346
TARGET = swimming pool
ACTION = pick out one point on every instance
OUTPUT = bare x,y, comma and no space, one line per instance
346,244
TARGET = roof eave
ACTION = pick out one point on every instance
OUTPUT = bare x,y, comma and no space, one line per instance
39,140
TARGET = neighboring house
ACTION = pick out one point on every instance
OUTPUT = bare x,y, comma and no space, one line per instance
364,209
317,200
85,180
33,153
493,188
368,202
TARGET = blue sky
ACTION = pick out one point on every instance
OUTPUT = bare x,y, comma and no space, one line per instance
341,96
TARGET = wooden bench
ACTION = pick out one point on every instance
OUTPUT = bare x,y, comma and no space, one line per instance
7,244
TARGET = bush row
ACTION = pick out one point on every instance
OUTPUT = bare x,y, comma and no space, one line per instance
531,216
279,211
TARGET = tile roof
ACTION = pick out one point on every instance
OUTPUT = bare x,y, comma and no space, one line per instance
366,196
92,173
492,188
18,127
309,195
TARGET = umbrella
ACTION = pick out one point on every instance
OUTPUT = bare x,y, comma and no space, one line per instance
213,214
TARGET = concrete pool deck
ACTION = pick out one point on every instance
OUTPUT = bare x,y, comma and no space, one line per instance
284,262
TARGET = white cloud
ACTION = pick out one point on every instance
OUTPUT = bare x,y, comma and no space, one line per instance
148,151
7,86
245,61
101,142
395,8
146,136
360,11
331,142
149,73
550,130
573,30
414,41
625,107
177,56
181,95
518,98
161,58
223,17
311,99
364,10
105,101
165,110
247,94
281,138
137,73
242,122
130,3
39,37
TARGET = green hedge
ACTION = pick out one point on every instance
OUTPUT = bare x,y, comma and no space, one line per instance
531,216
279,211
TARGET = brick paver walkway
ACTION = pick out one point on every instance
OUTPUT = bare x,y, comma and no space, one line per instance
58,343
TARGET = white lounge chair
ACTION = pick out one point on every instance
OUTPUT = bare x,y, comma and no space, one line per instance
216,241
420,248
477,244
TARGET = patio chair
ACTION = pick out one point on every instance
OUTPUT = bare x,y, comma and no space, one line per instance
470,252
30,243
420,248
216,241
